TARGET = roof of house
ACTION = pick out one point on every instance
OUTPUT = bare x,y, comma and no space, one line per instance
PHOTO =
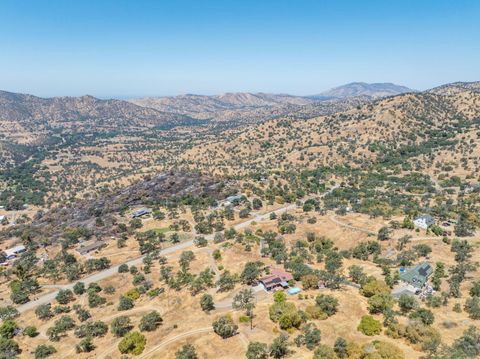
281,273
271,280
276,276
141,212
91,247
234,197
426,217
14,250
418,274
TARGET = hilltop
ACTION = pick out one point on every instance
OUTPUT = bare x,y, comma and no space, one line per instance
373,90
457,87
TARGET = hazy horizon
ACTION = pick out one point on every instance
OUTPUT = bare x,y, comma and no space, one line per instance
225,92
204,94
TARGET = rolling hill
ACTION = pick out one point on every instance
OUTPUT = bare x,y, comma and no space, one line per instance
421,131
25,108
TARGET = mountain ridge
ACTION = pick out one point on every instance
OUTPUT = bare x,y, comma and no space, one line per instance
202,106
374,90
25,107
456,87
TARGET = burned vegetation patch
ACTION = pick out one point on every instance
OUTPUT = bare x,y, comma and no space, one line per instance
98,216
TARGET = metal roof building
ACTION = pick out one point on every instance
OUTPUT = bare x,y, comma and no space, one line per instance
417,275
141,212
91,247
12,252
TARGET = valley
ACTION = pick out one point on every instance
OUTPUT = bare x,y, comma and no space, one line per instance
242,224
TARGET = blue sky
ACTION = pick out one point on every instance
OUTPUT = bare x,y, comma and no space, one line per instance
116,48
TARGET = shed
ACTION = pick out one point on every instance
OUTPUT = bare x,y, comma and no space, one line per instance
91,247
294,290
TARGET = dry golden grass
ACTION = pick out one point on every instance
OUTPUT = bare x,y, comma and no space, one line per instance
185,322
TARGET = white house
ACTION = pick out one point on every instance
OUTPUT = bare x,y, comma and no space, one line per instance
424,221
229,200
12,252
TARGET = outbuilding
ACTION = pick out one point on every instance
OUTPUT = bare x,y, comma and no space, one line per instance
91,247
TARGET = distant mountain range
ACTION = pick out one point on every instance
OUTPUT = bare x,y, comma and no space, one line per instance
229,109
242,108
428,129
26,108
374,90
204,106
195,104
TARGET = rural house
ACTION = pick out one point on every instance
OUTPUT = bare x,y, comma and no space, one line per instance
424,221
12,253
277,279
230,200
141,212
417,275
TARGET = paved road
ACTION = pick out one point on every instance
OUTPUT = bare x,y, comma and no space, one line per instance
96,277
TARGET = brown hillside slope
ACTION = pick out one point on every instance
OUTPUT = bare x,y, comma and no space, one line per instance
428,123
